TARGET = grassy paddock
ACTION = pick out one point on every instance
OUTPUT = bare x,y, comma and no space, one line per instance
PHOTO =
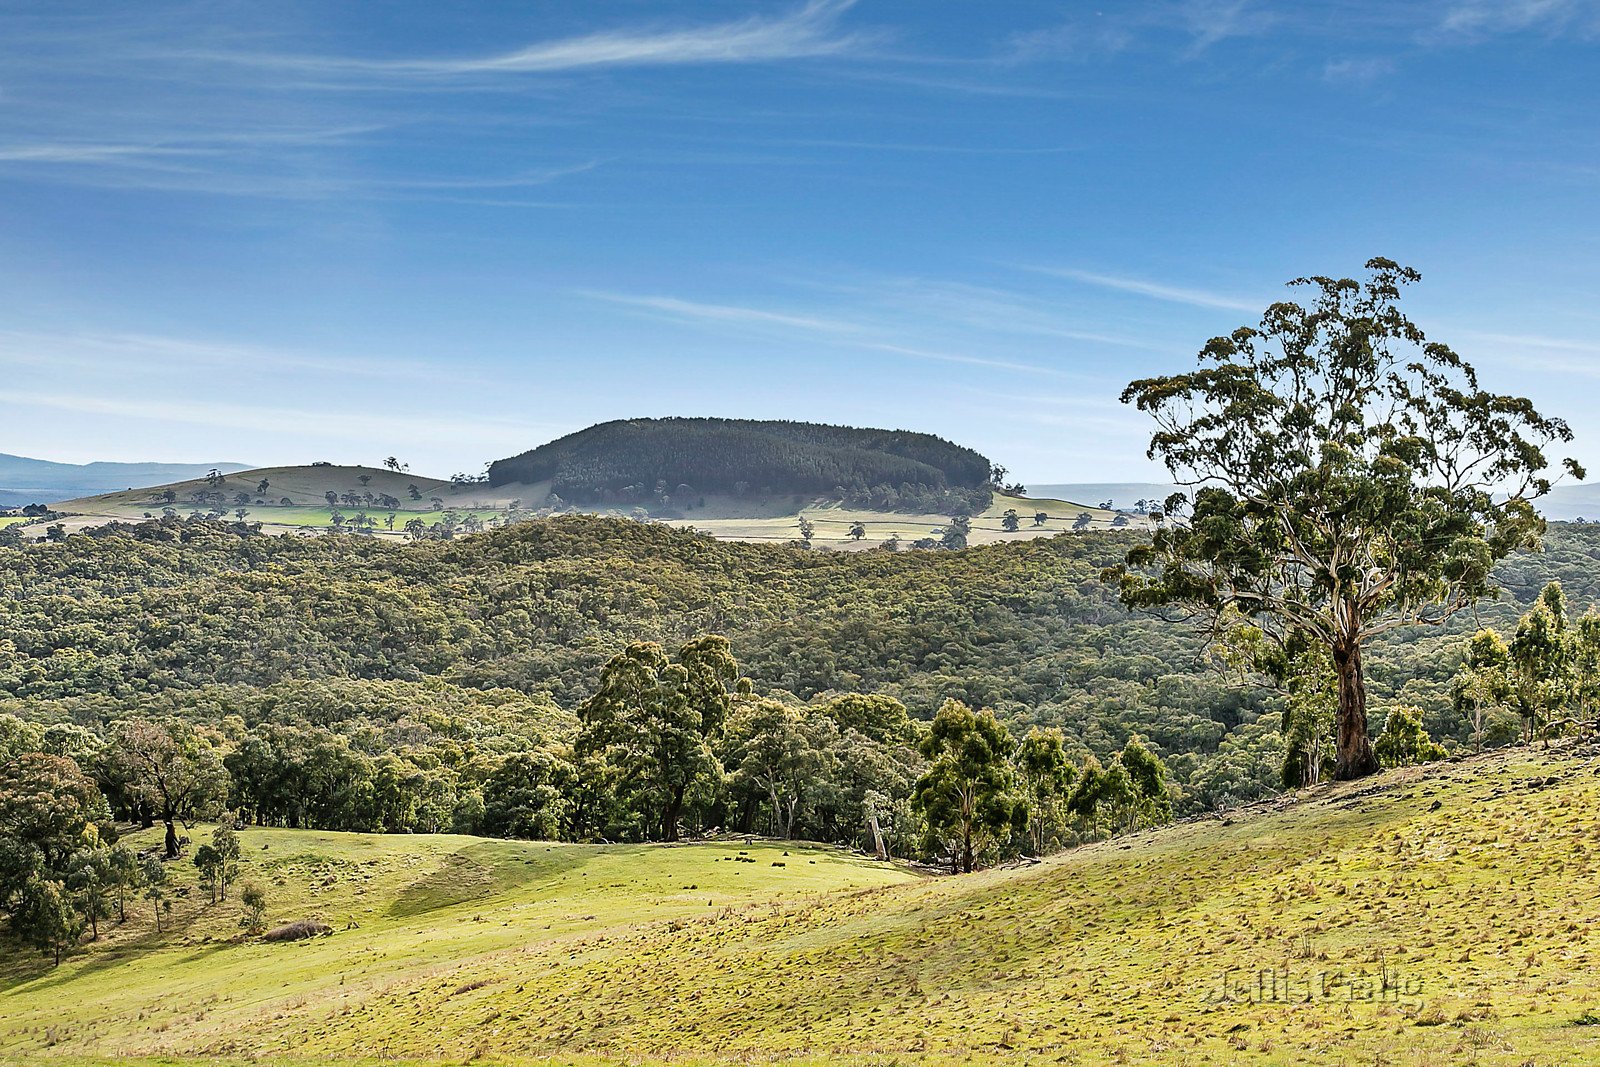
1435,917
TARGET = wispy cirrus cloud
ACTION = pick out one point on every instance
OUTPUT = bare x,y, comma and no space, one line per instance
103,352
1478,19
855,334
1155,290
808,32
333,423
1192,26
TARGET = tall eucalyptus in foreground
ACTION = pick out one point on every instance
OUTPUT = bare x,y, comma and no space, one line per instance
1345,477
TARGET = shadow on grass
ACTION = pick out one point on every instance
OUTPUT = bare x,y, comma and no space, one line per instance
484,868
92,958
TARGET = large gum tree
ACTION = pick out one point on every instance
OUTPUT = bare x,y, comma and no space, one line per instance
1342,477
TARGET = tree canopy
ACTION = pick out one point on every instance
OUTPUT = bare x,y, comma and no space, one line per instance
1346,477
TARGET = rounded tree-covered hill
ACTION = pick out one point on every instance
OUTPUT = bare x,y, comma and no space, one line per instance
634,457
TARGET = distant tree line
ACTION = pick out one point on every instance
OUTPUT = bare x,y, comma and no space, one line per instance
668,744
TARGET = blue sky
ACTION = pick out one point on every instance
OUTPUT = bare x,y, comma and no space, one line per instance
286,231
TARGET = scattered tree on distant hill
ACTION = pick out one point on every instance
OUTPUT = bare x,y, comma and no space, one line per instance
858,530
807,529
90,880
215,479
1082,521
225,842
1010,522
955,532
1352,478
1541,661
332,498
967,794
209,864
172,769
1040,518
364,479
263,485
395,465
770,751
1119,521
1128,793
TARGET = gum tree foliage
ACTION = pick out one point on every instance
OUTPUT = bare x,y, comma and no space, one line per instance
968,792
1346,477
172,769
1047,777
777,752
653,719
1404,741
529,796
1481,690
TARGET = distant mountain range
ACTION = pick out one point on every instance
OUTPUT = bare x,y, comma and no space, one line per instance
41,481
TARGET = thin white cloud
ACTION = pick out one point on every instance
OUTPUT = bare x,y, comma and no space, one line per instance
151,354
841,331
1155,290
690,310
1478,19
336,424
1358,70
808,32
1552,355
70,152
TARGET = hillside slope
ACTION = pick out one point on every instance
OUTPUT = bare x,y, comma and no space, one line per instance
1441,916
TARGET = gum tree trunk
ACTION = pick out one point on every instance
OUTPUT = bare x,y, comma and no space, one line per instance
1353,755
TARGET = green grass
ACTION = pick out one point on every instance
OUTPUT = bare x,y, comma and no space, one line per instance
1471,887
15,520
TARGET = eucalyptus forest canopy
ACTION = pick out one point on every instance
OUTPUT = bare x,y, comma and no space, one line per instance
508,631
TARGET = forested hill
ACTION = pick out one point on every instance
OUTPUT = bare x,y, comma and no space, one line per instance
633,458
175,613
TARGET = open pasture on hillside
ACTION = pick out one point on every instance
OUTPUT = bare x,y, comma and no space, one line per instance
1426,917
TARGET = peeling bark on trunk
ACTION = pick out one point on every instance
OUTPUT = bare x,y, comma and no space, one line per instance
1353,755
